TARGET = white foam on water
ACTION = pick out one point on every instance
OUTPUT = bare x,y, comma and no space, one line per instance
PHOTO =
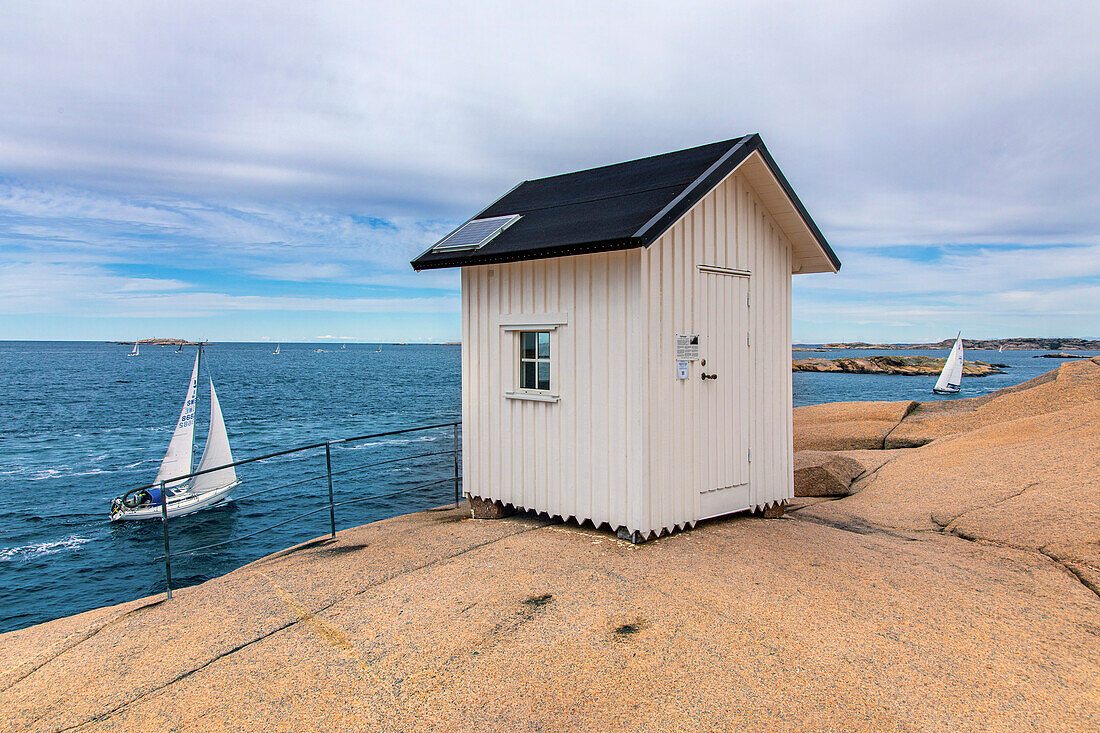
27,552
397,441
93,472
45,474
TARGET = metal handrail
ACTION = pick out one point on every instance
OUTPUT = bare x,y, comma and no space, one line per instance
299,449
329,473
193,550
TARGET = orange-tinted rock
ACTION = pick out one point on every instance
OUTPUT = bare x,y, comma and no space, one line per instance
846,425
1071,384
823,473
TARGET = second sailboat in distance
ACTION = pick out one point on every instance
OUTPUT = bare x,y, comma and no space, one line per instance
184,496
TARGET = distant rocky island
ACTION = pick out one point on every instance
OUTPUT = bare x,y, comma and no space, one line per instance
1015,344
911,366
159,342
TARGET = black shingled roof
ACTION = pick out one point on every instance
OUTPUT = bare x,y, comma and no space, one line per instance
614,207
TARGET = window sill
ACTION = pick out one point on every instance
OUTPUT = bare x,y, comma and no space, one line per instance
532,396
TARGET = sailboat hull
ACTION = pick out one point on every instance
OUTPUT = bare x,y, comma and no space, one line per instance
180,504
946,390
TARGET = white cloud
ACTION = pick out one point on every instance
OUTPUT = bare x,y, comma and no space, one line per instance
331,143
301,271
944,120
92,292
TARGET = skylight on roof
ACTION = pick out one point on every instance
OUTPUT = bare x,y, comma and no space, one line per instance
475,234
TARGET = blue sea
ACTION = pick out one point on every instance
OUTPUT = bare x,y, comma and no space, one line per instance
81,423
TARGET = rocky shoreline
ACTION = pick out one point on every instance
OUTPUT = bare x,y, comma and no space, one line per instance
159,342
1013,344
912,366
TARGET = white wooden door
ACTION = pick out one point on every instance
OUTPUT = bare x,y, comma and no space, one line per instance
722,398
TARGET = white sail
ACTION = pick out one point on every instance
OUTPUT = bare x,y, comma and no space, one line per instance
135,351
276,351
216,452
951,376
177,461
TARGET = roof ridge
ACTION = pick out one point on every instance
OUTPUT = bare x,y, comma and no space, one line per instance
691,186
731,141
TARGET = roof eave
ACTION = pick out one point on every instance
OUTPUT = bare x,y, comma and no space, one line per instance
496,258
797,203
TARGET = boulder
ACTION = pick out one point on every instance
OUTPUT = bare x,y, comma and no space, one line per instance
824,473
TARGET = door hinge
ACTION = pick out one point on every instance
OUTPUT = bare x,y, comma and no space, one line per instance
748,299
748,339
750,455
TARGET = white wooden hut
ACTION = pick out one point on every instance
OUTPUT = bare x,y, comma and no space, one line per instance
626,339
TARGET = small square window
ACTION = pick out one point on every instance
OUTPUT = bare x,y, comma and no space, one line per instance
534,360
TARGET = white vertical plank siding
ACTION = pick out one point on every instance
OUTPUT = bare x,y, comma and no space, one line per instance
628,444
727,228
572,457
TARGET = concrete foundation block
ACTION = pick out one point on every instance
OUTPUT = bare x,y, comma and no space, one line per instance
635,537
775,511
489,509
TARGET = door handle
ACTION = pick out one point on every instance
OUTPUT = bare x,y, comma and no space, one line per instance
704,376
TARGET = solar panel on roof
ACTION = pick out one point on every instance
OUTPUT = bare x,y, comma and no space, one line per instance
475,234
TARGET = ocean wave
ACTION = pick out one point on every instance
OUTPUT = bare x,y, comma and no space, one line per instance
64,471
395,441
93,472
27,552
46,473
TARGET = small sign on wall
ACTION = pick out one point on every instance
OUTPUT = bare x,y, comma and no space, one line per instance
682,368
687,346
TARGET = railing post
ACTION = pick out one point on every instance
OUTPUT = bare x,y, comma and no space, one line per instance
167,548
331,507
454,427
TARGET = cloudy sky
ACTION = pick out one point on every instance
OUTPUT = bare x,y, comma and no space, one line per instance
246,171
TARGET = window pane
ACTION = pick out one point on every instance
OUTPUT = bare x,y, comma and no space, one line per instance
544,375
544,344
529,381
527,344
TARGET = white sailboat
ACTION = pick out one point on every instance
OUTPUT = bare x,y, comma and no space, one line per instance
135,351
276,351
184,496
951,377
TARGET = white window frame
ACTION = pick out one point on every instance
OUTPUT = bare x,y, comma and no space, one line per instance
515,326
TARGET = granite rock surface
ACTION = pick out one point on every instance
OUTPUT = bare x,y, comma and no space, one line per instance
954,589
